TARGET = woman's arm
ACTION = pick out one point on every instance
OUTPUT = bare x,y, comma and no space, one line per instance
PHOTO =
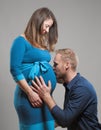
32,96
18,50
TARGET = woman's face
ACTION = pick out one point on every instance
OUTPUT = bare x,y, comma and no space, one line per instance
46,26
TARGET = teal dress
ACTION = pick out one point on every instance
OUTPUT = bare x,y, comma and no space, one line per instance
26,62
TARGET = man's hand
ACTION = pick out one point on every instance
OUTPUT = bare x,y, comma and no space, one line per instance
43,91
41,88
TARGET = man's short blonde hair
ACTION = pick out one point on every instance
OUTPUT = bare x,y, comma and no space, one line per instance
68,54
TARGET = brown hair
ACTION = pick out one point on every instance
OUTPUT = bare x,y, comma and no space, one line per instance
69,54
32,31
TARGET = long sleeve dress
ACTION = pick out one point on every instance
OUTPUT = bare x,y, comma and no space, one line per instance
26,62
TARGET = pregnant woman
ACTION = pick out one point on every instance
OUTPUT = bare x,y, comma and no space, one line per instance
30,57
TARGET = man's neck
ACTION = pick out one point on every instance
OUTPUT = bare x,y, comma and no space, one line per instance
70,76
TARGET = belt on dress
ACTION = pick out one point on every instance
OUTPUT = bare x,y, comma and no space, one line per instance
36,67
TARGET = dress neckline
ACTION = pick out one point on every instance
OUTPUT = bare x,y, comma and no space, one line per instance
22,35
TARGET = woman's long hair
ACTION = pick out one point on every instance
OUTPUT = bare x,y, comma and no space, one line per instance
33,30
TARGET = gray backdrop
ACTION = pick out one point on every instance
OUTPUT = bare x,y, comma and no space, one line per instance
79,23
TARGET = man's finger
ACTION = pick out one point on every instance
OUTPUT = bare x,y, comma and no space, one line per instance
42,81
38,82
49,84
34,89
35,84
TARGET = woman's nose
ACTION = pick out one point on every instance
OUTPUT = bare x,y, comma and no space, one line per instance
47,30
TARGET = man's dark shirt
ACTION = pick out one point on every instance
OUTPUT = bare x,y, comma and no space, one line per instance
80,106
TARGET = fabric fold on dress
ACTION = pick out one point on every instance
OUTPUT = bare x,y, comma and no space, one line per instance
35,67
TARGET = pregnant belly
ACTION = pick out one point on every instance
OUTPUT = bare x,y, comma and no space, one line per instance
21,98
49,75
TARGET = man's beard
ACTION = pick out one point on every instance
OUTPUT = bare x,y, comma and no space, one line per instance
60,80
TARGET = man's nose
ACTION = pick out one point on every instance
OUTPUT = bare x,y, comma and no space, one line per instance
53,67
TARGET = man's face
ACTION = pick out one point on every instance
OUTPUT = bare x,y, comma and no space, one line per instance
59,68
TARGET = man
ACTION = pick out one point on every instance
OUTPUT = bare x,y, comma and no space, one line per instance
80,104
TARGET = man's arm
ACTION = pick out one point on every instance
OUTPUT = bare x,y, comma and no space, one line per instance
44,91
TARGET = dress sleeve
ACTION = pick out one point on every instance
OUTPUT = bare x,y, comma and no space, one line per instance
16,57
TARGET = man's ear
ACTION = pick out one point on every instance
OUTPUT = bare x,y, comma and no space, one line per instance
67,65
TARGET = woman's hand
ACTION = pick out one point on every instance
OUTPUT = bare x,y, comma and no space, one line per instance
34,99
